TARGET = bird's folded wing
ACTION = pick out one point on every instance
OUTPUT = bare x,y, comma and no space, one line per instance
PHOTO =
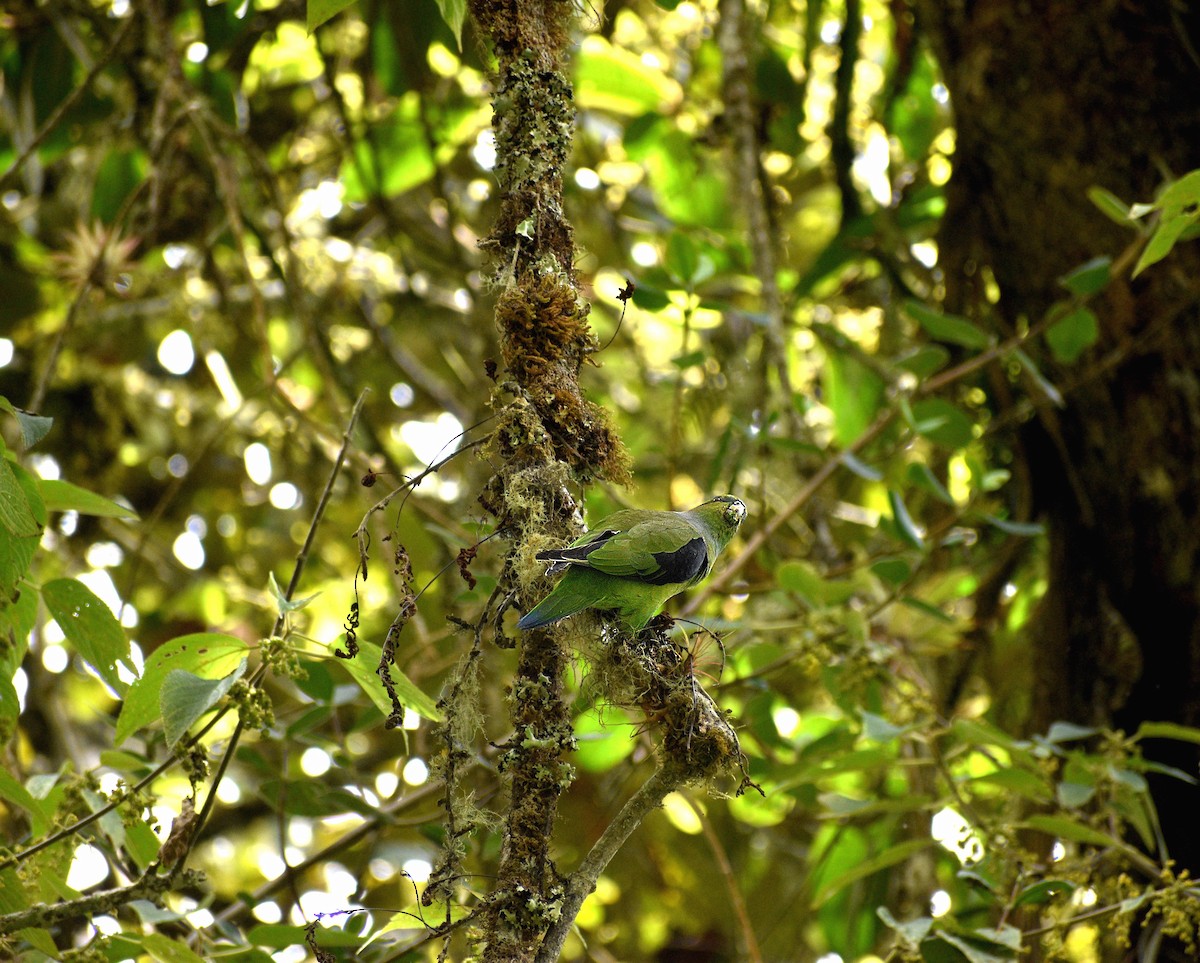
663,550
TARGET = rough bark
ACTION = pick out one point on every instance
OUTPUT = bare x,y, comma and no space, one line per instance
548,436
1050,99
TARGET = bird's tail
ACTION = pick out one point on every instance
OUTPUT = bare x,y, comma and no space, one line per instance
553,607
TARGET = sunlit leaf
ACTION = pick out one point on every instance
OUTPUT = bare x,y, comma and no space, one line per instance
320,11
1072,830
90,627
363,668
62,496
868,867
209,655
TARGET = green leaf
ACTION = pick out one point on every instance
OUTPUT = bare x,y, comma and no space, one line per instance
454,12
1089,278
912,932
1167,730
682,261
1029,785
922,476
924,360
920,605
1044,383
62,496
1073,334
16,513
363,670
853,393
282,602
1044,891
321,10
617,80
979,948
206,654
1109,205
33,427
185,697
947,327
860,467
168,949
943,423
904,523
1072,795
89,626
1069,732
868,867
896,571
1063,827
1180,207
1025,529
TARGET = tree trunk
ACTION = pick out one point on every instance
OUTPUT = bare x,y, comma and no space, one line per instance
1051,99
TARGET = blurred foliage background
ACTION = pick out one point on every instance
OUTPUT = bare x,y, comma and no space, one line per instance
218,229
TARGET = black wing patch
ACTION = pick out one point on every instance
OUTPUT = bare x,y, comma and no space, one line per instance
682,565
562,558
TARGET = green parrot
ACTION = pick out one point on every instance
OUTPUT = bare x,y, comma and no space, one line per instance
634,560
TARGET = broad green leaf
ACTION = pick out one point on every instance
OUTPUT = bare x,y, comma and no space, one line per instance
282,936
853,393
896,571
89,626
1180,210
185,697
1023,782
16,514
682,261
168,949
891,856
941,422
206,654
321,10
947,327
905,525
454,12
15,794
33,427
1063,827
363,669
977,950
16,551
618,80
62,496
1089,278
1073,334
925,360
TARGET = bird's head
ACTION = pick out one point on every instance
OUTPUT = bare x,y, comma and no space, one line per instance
722,515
